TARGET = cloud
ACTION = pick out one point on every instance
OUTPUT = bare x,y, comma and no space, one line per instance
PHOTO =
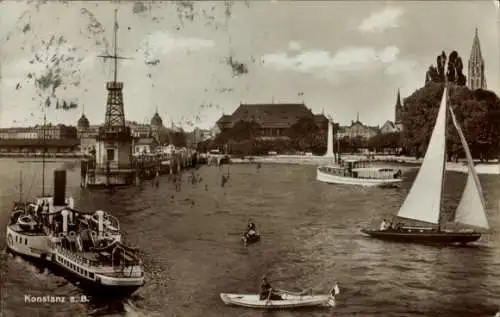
294,46
401,67
382,20
162,43
348,59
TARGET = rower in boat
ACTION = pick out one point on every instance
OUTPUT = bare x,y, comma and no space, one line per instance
266,291
251,230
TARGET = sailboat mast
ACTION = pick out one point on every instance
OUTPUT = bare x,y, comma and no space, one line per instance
43,154
337,137
20,185
115,44
443,173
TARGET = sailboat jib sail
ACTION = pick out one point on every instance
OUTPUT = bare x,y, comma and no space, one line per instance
471,208
423,202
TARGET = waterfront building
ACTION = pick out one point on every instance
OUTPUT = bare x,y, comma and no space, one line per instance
358,130
396,125
274,119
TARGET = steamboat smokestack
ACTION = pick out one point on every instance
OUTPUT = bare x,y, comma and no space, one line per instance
100,219
59,198
65,214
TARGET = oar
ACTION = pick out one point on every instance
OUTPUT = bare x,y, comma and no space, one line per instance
268,302
294,293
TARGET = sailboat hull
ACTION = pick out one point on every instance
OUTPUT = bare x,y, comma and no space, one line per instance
424,236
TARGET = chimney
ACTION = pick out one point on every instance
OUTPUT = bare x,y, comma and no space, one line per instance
65,214
59,198
100,225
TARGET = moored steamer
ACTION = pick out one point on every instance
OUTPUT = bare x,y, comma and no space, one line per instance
354,172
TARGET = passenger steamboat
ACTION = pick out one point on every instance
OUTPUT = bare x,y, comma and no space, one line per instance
354,172
84,247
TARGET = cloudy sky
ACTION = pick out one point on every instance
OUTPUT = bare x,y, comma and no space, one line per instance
194,61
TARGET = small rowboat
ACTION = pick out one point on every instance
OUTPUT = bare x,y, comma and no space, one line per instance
289,300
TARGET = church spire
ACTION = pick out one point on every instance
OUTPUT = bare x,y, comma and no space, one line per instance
398,109
398,101
476,74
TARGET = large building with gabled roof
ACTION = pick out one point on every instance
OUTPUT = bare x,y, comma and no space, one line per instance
274,119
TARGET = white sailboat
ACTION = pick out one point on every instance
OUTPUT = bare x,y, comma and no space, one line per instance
424,201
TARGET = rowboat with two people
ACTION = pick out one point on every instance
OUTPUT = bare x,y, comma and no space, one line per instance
270,298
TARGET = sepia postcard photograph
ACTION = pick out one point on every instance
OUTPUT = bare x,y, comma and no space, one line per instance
251,158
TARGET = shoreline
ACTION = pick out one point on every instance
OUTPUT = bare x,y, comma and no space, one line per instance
401,161
39,156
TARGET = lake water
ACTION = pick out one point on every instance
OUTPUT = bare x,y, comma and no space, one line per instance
310,238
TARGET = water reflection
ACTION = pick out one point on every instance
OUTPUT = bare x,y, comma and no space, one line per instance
310,238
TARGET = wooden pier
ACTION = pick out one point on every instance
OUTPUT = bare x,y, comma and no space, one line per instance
141,167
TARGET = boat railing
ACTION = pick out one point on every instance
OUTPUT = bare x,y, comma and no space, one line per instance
114,222
383,173
76,257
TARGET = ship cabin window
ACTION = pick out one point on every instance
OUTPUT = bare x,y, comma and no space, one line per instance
16,238
25,240
91,275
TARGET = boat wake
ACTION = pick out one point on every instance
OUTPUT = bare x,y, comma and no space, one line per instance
125,307
133,311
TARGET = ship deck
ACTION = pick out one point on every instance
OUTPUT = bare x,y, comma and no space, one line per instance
97,257
16,228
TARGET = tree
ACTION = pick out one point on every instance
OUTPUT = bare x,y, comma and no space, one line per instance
454,73
477,112
303,128
178,139
244,130
308,136
203,146
383,141
241,131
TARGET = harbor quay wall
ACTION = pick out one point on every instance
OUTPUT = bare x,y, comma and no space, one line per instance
404,162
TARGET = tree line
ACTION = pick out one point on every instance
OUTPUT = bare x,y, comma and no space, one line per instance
478,113
246,138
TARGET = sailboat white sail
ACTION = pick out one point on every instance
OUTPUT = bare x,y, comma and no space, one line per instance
423,202
471,208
